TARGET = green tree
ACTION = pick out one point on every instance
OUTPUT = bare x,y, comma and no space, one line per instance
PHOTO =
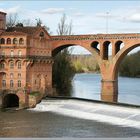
130,66
63,70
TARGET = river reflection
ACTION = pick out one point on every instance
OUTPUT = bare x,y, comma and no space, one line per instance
88,86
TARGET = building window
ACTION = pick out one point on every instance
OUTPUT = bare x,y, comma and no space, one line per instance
21,41
2,41
12,53
19,83
19,65
2,65
41,34
4,76
11,83
8,41
3,83
15,41
19,75
11,65
3,53
19,53
11,75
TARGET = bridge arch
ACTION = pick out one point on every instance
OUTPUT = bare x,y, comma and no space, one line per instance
118,46
105,53
10,100
96,45
119,58
87,46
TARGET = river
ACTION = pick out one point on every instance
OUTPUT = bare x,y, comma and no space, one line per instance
74,118
88,86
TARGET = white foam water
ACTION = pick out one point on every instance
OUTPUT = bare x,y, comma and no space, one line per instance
115,115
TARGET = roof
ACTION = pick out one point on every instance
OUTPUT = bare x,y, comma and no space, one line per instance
28,29
12,33
2,13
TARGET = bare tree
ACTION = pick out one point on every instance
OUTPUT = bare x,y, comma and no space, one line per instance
63,27
63,70
27,22
12,20
38,22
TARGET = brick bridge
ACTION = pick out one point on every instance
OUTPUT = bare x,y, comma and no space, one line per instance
99,45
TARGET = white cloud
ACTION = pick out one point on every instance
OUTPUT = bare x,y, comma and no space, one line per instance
2,10
79,14
13,10
105,15
133,17
53,10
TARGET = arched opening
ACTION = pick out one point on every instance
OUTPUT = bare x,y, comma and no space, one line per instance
21,41
2,41
2,65
84,84
8,41
96,46
118,45
107,50
10,100
15,41
127,72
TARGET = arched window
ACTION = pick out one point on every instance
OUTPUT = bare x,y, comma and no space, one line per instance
19,53
19,83
11,65
8,41
19,75
3,83
11,75
15,41
19,65
2,41
21,41
41,34
2,65
11,83
12,53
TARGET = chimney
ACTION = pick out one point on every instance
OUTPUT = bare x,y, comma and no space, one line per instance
2,21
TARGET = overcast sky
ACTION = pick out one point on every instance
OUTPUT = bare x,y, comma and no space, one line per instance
88,17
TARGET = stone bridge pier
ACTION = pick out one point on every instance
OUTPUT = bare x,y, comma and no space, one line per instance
109,84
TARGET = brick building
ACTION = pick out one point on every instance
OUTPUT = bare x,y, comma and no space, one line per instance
25,59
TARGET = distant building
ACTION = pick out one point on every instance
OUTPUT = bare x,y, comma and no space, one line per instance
25,59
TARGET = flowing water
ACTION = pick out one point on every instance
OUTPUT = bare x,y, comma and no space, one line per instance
88,86
75,118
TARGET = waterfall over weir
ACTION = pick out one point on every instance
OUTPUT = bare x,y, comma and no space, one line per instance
111,114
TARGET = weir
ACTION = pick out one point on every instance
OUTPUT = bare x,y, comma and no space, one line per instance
123,115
